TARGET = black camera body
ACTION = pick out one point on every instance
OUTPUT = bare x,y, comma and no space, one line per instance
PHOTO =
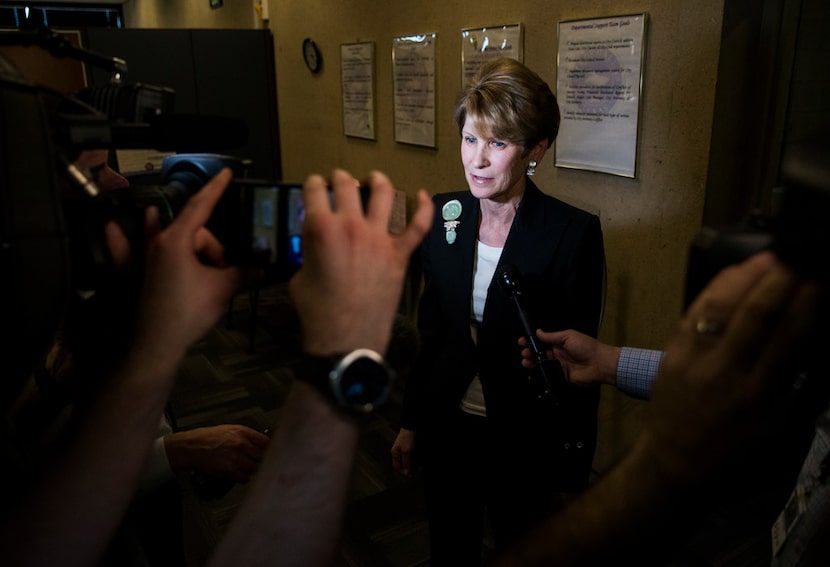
51,242
798,230
258,221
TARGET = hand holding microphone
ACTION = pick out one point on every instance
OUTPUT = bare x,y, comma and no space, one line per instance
510,280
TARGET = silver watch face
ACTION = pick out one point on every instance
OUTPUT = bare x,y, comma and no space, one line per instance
361,381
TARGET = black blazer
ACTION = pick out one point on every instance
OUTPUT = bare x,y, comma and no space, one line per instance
558,250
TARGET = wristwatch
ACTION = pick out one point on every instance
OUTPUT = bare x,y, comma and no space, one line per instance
357,382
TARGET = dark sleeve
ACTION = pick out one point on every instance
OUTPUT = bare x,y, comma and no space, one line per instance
588,284
585,279
584,286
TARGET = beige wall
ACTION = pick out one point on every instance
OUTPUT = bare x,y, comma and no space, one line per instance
647,222
188,14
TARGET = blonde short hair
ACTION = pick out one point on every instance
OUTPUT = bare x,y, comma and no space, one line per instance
510,101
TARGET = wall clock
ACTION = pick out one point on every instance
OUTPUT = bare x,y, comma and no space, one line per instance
311,54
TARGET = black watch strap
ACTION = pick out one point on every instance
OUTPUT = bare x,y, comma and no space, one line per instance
356,382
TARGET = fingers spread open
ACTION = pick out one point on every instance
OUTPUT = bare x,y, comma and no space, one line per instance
382,198
346,194
316,195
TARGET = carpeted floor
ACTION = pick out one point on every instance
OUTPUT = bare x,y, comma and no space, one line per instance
237,374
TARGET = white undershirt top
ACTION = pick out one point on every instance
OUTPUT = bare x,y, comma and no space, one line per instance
487,258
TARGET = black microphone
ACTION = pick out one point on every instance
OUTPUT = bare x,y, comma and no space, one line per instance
511,282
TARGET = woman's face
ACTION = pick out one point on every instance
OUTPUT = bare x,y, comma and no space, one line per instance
495,169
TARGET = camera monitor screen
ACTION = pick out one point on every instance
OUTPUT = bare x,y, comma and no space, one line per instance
277,225
277,215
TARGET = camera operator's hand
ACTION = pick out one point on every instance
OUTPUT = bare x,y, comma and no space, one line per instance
350,285
186,286
346,294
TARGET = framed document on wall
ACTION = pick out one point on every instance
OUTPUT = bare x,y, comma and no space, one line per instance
413,74
598,83
480,44
357,79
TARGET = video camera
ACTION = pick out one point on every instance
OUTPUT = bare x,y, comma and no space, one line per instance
258,221
797,229
52,211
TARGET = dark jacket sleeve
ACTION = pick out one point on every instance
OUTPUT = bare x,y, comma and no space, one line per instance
585,281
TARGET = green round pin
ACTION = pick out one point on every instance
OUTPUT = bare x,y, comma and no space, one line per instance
451,210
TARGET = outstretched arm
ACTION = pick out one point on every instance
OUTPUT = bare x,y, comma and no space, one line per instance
584,359
347,294
712,400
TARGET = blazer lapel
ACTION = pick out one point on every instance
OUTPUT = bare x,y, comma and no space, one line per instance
534,233
455,261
